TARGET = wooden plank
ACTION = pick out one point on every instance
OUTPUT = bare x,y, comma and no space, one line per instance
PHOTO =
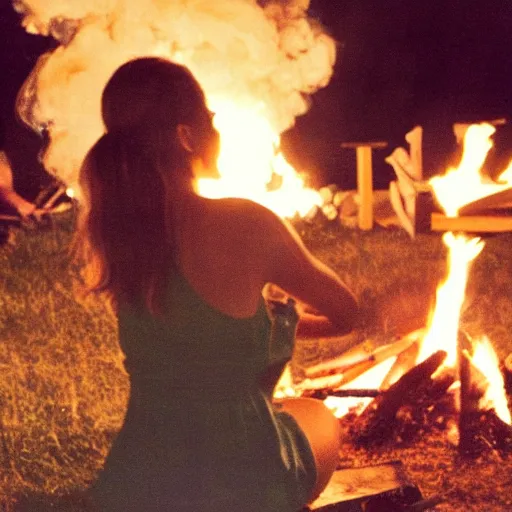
371,144
365,179
471,223
353,485
460,129
365,187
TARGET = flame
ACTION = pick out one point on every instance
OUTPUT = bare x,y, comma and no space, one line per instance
249,163
465,184
342,406
444,322
485,359
453,190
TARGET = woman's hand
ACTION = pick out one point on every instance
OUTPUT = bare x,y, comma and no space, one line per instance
313,325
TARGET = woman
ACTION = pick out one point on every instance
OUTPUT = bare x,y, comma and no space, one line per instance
186,275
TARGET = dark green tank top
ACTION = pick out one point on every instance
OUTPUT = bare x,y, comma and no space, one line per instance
199,434
195,346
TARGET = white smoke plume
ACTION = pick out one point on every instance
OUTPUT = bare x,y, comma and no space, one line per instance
265,56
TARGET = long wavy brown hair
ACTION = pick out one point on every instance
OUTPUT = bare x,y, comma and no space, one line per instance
132,176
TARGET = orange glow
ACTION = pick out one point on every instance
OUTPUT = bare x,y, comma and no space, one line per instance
251,166
465,184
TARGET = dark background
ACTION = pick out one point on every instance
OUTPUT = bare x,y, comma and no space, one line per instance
400,63
18,54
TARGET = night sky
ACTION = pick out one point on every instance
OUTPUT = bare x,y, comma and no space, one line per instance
400,63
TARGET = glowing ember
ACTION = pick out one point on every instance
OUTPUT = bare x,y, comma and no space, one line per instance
444,324
467,183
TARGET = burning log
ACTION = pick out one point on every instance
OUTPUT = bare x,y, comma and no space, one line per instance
480,430
506,369
377,422
434,407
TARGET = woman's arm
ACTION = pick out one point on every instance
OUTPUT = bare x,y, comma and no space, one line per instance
296,271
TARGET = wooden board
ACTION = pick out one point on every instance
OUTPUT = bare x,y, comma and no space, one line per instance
355,485
471,224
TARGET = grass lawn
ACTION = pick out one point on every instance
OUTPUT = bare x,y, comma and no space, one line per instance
63,389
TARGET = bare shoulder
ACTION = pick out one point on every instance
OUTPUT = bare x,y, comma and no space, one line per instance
245,216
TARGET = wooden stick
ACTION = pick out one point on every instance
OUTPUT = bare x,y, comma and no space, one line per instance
345,393
426,504
51,201
321,383
358,360
474,223
355,355
10,218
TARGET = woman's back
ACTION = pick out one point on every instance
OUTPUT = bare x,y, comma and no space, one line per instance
222,252
196,413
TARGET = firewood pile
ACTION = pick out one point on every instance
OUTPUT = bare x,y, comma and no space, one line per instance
413,398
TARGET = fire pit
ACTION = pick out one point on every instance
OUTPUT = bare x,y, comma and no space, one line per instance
401,283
